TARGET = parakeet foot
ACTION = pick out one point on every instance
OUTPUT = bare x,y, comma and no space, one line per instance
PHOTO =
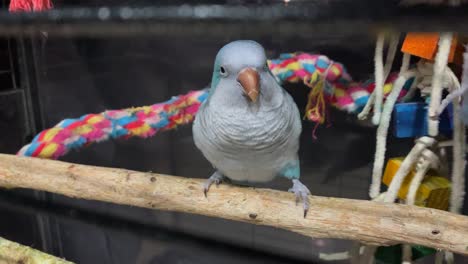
301,191
216,178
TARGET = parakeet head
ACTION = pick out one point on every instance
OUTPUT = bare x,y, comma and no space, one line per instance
241,73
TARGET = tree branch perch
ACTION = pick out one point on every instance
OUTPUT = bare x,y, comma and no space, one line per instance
14,253
366,221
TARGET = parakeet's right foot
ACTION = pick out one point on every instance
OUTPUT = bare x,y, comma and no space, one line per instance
216,178
301,191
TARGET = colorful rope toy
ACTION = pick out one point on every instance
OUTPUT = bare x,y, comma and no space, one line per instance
328,80
30,5
132,122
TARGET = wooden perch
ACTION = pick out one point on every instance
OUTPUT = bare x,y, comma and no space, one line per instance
14,253
366,221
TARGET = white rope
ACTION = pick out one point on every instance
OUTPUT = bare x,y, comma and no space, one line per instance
404,67
464,86
458,166
405,63
427,160
382,132
378,76
366,110
440,64
417,79
426,71
459,148
382,72
421,144
456,90
392,49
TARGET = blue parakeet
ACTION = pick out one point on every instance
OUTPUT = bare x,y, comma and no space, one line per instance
249,126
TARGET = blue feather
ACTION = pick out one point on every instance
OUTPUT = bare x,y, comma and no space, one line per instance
216,77
291,171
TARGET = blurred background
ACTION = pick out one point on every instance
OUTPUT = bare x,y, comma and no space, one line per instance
44,79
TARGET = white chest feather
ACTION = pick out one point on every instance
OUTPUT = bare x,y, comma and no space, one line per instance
248,145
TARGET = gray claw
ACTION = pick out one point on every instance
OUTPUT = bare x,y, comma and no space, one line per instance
301,191
216,178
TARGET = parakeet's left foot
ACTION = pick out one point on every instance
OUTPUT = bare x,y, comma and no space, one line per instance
301,191
216,178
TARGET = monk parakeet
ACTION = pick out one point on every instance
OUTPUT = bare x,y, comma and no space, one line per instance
249,126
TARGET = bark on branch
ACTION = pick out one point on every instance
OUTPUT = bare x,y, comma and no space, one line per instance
14,253
366,221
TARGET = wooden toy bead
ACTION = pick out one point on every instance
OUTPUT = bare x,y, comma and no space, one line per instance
410,120
433,192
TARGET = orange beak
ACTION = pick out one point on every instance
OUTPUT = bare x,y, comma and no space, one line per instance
250,81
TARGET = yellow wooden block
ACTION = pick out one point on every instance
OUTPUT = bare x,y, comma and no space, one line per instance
434,191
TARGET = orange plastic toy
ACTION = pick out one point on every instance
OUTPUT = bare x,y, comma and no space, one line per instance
424,45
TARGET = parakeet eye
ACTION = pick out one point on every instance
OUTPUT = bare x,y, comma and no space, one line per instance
222,71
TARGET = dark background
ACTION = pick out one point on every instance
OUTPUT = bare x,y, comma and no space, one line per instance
46,79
